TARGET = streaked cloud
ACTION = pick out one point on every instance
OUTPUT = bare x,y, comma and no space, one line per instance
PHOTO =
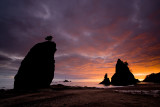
90,35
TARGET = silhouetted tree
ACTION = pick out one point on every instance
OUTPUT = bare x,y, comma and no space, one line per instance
49,38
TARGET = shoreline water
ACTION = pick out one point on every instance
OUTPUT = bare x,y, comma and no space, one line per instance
85,84
79,84
9,85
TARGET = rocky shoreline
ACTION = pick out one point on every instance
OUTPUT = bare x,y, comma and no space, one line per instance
60,95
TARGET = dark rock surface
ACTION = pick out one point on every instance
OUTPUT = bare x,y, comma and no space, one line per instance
106,80
37,68
123,76
154,77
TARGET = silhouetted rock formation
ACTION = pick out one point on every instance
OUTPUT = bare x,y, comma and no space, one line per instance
106,80
37,68
154,77
123,76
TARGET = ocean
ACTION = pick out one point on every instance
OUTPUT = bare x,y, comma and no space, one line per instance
84,84
8,84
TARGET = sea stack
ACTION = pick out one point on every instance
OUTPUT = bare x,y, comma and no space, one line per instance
123,75
154,77
106,80
37,68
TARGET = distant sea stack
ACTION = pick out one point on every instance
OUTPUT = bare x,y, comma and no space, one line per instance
106,80
37,68
154,77
123,76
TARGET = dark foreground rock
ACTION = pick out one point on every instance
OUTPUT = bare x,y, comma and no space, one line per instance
123,76
106,80
154,77
37,68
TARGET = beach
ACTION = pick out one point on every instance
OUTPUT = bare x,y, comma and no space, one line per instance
69,96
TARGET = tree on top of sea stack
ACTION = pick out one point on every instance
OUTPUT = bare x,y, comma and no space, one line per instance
123,75
49,38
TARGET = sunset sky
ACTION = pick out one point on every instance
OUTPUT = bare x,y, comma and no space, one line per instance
90,35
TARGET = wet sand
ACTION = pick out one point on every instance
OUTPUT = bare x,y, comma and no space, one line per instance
60,96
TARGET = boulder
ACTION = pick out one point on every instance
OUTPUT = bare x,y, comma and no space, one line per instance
154,77
123,75
106,80
37,68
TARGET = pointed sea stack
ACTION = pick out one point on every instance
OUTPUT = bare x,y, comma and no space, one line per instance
37,68
106,80
123,75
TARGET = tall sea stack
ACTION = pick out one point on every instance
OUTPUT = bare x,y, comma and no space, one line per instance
37,68
123,76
